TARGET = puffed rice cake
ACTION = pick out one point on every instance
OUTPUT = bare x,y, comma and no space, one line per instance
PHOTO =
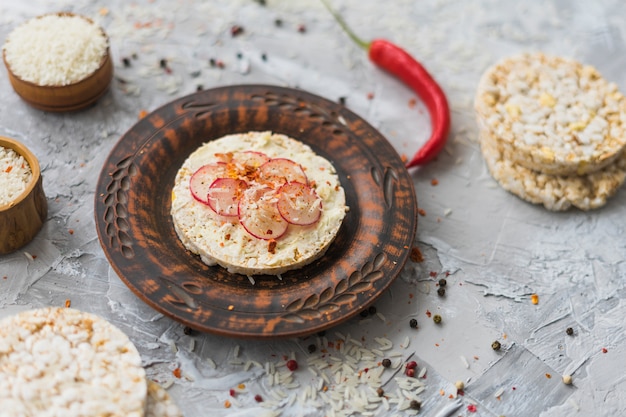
552,114
64,362
555,192
160,404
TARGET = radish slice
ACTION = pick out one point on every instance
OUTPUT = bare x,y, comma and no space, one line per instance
281,170
259,216
253,159
299,204
224,194
202,179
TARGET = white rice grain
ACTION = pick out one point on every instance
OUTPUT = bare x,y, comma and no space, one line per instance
15,174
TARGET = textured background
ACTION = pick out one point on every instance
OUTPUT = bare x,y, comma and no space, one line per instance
497,249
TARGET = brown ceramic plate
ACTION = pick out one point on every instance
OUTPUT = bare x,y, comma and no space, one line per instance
133,199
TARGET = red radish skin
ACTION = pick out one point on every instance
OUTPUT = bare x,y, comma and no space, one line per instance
224,194
201,180
299,204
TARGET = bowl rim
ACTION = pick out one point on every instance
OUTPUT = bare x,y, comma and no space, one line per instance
103,61
33,162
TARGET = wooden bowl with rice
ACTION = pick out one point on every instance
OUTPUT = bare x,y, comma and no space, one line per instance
23,205
58,62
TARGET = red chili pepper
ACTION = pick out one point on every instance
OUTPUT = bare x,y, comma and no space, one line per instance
402,65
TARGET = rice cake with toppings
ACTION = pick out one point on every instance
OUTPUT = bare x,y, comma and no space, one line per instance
63,362
160,404
555,192
552,114
224,241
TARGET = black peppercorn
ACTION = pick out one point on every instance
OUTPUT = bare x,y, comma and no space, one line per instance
413,323
441,291
443,282
264,56
312,348
126,62
437,318
372,310
278,22
342,101
364,313
415,405
496,345
569,331
187,330
386,363
163,63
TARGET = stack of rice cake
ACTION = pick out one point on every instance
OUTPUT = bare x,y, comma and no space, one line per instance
552,131
63,362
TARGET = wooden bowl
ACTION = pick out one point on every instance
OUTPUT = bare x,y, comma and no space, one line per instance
71,97
21,219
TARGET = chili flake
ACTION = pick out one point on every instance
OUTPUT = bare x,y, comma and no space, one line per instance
472,408
416,255
421,212
434,182
68,303
177,372
534,299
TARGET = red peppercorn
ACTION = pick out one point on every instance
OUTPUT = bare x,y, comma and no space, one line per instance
258,398
232,392
411,365
236,30
292,365
410,372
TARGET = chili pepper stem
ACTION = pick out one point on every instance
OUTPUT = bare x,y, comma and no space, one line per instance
360,42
